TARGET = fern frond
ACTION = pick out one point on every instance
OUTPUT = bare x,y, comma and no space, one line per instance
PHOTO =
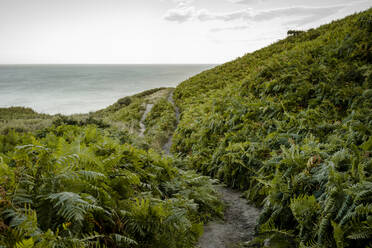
122,240
365,233
91,175
71,206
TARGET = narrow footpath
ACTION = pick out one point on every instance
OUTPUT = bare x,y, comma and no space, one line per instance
168,145
239,220
142,124
237,225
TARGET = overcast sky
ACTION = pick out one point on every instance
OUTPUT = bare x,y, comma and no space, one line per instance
153,31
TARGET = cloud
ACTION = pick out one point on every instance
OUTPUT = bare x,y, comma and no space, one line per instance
183,3
234,28
205,15
301,14
245,1
180,14
305,15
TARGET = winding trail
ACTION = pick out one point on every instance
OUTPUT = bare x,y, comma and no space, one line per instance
142,124
239,220
237,225
168,145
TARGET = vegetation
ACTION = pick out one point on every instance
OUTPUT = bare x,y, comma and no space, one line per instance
160,124
80,181
74,186
22,119
291,124
126,113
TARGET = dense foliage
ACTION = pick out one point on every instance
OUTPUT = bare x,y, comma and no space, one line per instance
123,115
22,119
75,186
291,124
160,124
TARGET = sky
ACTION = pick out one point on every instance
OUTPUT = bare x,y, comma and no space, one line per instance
154,31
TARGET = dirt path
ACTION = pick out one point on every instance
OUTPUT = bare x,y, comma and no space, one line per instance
167,146
236,227
142,125
239,220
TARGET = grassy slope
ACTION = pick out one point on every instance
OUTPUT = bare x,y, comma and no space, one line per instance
84,181
160,124
22,119
291,124
123,116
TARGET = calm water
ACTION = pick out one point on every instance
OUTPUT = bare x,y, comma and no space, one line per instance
71,89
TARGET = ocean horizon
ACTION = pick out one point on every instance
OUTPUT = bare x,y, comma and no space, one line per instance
82,88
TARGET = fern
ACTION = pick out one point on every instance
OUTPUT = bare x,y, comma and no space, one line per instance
71,206
26,243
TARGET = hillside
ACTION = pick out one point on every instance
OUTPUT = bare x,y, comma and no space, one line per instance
291,125
89,180
121,119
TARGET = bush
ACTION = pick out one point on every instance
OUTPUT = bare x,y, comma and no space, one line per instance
124,101
77,187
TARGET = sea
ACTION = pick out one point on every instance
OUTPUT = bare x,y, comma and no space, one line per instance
73,89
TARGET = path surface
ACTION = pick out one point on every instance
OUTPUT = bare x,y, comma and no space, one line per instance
168,145
239,220
142,125
237,225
